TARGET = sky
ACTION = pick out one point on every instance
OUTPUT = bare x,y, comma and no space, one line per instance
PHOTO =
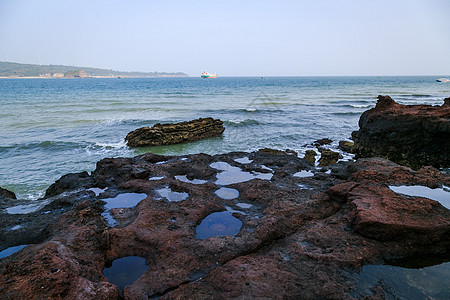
232,38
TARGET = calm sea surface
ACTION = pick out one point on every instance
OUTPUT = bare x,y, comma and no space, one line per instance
51,127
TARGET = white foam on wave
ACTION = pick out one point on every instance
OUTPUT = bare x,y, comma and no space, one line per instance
360,105
121,144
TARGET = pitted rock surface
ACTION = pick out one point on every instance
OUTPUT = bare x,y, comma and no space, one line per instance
301,238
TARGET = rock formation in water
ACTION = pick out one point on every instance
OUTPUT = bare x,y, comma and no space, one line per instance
328,157
168,134
411,135
301,237
6,194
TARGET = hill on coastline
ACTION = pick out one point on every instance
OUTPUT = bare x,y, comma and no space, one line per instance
10,69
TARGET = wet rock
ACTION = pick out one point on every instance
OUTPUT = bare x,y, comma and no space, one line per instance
272,151
70,182
298,237
310,157
168,134
411,135
6,194
321,142
328,157
346,146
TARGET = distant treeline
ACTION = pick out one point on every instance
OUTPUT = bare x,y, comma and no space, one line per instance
10,69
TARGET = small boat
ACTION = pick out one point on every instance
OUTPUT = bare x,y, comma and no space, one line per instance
443,80
208,75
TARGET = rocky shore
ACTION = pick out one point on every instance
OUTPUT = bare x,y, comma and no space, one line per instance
411,135
266,224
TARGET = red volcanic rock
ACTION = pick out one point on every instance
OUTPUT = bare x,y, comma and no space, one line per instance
411,135
301,238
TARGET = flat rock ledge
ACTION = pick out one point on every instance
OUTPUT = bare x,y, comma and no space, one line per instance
301,237
176,133
410,135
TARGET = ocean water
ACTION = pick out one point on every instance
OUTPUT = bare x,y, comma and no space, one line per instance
51,127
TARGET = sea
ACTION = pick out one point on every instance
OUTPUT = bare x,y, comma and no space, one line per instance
51,127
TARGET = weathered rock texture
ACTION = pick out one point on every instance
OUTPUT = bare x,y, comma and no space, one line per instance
302,238
168,134
310,157
328,157
411,135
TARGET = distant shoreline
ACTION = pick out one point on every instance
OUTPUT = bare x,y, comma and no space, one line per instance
18,70
88,77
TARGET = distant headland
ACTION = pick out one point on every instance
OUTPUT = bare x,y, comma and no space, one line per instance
18,70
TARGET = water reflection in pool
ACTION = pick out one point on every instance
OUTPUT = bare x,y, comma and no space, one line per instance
218,224
172,196
231,174
441,195
424,283
124,271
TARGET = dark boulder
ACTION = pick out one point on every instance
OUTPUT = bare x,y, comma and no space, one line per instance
321,142
6,194
411,135
168,134
70,182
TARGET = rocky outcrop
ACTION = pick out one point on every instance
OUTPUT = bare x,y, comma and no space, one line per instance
6,194
310,157
168,134
301,237
346,146
328,157
411,135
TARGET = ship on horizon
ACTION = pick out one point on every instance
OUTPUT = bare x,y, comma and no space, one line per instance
208,75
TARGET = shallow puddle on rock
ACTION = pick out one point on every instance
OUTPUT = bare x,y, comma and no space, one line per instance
27,208
172,196
218,224
227,193
243,205
243,160
124,271
425,283
109,218
97,191
304,187
441,195
229,209
11,250
124,200
184,178
157,178
231,174
303,174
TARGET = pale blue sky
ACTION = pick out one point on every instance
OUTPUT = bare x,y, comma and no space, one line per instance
242,38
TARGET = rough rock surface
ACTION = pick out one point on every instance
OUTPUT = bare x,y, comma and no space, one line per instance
168,134
310,157
301,238
346,146
328,157
411,135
